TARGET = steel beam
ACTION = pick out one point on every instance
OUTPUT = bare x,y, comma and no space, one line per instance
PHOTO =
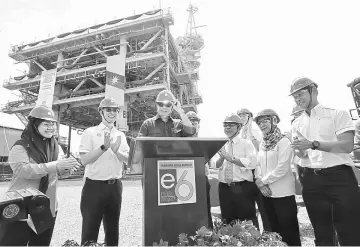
80,56
151,40
96,82
38,64
79,85
17,85
88,35
102,52
88,99
155,71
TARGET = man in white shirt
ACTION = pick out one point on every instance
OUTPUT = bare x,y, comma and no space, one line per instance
325,137
103,149
237,190
296,112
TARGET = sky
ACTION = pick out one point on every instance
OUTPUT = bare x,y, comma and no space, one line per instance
253,49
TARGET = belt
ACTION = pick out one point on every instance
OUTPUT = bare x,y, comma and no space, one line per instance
235,183
110,181
324,171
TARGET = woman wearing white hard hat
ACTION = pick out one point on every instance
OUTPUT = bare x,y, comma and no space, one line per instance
35,162
276,180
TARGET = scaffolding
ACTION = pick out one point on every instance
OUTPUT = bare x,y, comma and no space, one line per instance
154,61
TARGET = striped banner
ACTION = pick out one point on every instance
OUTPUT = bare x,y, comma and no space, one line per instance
115,78
115,87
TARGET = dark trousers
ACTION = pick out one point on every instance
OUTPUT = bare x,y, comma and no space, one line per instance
282,214
20,234
262,211
332,200
237,201
210,222
101,201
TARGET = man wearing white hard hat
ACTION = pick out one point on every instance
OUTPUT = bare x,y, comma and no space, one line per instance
103,149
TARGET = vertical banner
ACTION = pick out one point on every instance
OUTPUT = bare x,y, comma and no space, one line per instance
176,182
115,86
47,87
121,121
115,78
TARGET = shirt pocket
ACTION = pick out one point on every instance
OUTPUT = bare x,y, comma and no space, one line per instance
326,128
155,133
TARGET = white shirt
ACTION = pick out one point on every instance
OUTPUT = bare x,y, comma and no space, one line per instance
107,166
324,125
245,151
304,162
276,170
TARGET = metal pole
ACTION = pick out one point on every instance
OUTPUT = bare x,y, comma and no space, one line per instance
69,143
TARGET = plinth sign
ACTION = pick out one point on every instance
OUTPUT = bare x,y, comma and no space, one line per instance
174,184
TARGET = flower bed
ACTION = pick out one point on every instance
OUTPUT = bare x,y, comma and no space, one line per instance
235,234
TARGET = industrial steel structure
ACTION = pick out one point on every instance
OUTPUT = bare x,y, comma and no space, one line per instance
154,61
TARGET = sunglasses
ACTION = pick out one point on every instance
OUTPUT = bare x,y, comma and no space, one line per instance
111,109
161,104
229,125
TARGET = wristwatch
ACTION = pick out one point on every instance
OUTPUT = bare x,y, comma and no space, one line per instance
233,159
102,147
315,145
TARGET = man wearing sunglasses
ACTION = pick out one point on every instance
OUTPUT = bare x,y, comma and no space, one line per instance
103,149
163,125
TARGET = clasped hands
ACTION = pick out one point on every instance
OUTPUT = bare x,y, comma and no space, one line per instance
264,189
300,144
225,155
110,143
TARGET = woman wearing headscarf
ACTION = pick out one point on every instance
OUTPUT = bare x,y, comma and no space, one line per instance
276,180
35,164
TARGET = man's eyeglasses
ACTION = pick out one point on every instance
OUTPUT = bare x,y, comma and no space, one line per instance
161,104
111,109
229,125
263,121
48,125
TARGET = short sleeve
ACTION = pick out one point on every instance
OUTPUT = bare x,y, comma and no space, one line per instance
86,142
343,122
143,129
124,147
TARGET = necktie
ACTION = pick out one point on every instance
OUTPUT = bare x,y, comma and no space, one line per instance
229,175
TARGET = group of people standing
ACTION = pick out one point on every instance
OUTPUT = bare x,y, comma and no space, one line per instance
318,147
254,168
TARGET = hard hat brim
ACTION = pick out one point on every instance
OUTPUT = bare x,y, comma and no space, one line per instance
43,118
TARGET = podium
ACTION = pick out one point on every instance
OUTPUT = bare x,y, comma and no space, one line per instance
174,190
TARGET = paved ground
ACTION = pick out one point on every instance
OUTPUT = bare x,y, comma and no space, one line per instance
68,224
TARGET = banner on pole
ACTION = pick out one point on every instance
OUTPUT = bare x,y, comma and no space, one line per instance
115,78
115,87
47,87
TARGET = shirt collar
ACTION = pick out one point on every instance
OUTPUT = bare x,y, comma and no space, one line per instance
102,126
236,139
317,108
157,116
